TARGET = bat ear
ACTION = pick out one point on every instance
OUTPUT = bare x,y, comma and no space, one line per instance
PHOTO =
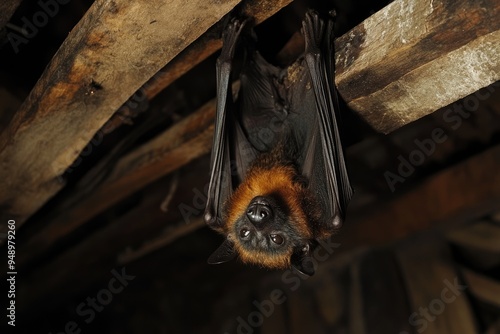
302,261
224,253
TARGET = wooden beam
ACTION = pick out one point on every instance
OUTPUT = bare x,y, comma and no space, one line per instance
176,147
112,52
7,9
414,57
199,50
455,195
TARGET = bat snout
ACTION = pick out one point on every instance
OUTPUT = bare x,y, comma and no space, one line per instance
259,211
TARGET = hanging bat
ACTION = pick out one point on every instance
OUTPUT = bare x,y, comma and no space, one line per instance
278,180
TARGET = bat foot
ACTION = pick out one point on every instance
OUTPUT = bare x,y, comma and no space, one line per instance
230,37
316,32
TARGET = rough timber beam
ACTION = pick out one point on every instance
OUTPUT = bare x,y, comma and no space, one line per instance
416,56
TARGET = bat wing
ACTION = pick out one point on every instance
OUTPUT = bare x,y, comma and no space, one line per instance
242,129
227,161
235,144
324,162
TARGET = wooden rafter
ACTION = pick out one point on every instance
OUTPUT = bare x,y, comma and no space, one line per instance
414,57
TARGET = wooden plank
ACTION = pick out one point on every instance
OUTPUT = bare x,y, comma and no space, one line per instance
206,45
112,52
199,50
7,9
437,297
484,288
457,194
179,145
479,243
414,57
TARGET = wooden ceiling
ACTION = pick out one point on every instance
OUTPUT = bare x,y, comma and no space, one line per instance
106,119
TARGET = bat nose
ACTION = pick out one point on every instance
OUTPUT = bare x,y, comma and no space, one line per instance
259,212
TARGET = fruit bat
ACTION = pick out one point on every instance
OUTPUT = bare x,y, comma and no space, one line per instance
278,180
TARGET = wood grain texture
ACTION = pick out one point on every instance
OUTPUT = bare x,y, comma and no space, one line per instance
454,195
7,9
176,147
414,57
115,48
195,53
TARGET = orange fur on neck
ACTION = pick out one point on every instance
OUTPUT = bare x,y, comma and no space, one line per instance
273,261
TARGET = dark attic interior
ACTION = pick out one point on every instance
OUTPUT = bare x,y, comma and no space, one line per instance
107,115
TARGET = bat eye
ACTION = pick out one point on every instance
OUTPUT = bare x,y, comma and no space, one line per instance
244,233
277,239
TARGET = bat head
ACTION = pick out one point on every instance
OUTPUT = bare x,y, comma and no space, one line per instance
268,221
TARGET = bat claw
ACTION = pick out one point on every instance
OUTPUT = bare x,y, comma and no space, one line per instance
209,218
337,223
230,37
313,31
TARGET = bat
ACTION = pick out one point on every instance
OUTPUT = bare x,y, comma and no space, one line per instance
278,179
